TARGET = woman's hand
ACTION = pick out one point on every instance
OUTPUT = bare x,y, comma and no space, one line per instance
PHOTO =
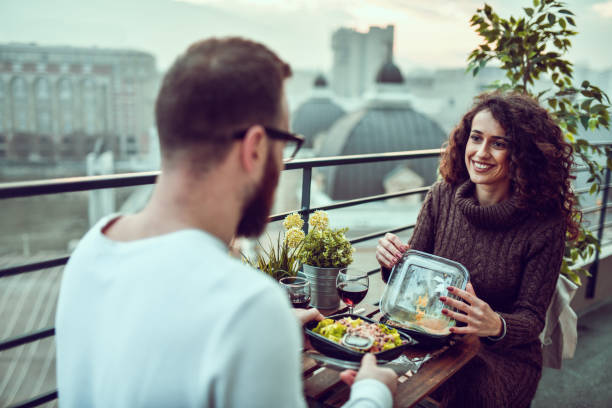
389,250
478,316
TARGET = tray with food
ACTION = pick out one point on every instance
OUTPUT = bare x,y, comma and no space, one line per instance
348,336
411,300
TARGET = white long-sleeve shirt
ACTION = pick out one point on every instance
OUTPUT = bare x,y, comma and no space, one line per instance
174,321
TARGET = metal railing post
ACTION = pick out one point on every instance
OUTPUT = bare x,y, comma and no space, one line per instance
592,281
306,181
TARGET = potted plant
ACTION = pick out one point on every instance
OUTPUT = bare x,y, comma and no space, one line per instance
324,251
281,258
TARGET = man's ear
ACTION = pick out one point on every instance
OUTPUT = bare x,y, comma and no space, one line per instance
253,148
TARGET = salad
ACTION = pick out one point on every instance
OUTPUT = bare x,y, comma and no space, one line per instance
385,338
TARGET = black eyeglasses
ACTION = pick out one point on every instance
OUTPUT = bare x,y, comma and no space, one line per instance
294,141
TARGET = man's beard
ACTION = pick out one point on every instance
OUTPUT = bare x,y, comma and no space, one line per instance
256,212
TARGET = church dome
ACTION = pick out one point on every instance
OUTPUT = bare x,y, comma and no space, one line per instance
317,113
320,82
389,73
387,123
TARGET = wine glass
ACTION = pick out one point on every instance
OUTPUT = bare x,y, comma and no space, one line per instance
298,289
352,285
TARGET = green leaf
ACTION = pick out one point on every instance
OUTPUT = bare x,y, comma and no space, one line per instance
582,143
593,189
574,278
571,21
564,11
562,23
555,76
574,255
586,104
599,108
551,18
528,11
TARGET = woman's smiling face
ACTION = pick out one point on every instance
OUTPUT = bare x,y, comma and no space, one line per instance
487,153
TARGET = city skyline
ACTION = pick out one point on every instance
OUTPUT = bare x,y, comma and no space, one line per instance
427,36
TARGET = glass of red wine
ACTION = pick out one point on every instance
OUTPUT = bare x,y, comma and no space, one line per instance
298,289
352,285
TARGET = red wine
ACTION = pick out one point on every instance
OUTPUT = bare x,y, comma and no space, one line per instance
300,302
352,293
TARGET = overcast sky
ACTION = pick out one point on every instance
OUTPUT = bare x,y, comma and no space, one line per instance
428,33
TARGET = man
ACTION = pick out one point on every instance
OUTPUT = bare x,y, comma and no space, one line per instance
152,310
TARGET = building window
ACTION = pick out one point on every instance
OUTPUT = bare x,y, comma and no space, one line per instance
2,105
43,106
89,107
20,104
65,104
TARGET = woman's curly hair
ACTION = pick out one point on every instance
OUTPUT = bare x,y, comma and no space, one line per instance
539,161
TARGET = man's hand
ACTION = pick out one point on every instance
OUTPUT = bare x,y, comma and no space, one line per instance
306,315
369,369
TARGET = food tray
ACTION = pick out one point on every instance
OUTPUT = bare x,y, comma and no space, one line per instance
422,338
412,296
336,350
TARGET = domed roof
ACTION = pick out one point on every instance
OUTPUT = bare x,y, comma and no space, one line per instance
389,73
320,81
378,130
316,114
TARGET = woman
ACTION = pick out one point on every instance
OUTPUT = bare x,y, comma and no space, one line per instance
502,210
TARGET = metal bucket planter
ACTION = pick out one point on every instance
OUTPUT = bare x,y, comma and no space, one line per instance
322,286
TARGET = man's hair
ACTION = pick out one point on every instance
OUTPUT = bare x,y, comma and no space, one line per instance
217,87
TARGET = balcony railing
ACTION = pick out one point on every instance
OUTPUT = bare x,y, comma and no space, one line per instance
65,185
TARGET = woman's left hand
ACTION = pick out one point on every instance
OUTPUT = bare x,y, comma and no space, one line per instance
478,316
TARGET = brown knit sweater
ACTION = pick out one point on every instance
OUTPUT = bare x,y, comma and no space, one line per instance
514,260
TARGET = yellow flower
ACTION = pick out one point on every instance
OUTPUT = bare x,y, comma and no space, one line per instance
294,237
319,220
293,220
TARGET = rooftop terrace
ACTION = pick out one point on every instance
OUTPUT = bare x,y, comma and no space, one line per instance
30,285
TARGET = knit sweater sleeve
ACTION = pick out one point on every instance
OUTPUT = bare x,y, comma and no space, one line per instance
542,266
425,229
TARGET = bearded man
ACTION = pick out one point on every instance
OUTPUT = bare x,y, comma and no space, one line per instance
152,309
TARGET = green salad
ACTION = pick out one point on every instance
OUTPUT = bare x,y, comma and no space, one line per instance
385,338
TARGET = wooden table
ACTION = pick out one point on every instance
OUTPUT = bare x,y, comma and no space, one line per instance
323,385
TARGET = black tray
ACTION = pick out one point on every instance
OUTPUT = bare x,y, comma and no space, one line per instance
333,349
423,339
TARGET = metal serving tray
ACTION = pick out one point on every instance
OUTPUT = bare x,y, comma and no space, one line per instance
412,296
332,349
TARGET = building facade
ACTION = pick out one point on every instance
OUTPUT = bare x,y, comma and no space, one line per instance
358,57
55,102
